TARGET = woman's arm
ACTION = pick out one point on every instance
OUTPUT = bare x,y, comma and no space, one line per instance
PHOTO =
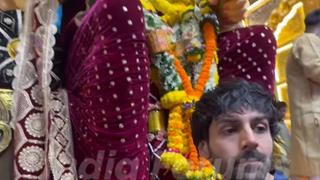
6,5
229,12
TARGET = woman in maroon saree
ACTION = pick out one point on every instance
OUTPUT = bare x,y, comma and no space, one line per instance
107,78
248,53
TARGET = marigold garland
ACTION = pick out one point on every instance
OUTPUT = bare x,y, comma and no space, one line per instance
180,164
180,141
171,11
173,159
182,156
210,53
173,98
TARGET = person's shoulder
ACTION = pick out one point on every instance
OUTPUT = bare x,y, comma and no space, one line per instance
307,40
115,10
269,177
306,45
115,4
307,37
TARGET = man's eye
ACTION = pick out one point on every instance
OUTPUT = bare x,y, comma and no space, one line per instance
261,128
229,131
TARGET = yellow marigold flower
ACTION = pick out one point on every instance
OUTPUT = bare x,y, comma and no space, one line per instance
172,99
177,162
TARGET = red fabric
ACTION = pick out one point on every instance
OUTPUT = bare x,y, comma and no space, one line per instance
107,77
248,53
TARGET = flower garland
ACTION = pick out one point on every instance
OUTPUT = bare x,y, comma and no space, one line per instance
177,50
210,54
180,141
173,158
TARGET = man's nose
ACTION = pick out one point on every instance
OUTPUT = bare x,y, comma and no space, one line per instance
248,139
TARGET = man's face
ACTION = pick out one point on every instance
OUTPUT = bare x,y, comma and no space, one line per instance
240,145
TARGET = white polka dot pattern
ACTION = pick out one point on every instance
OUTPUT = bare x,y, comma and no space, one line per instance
108,84
248,53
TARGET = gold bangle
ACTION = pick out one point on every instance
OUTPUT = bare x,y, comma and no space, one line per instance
5,136
5,105
12,47
156,121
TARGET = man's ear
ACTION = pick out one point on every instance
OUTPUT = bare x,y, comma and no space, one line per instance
203,148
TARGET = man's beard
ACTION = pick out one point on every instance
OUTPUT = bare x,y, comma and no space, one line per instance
239,168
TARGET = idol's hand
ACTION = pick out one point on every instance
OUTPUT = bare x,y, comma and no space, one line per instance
229,12
6,5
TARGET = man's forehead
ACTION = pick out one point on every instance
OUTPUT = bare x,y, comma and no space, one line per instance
240,115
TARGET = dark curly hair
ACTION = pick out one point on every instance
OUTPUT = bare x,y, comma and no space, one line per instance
228,97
